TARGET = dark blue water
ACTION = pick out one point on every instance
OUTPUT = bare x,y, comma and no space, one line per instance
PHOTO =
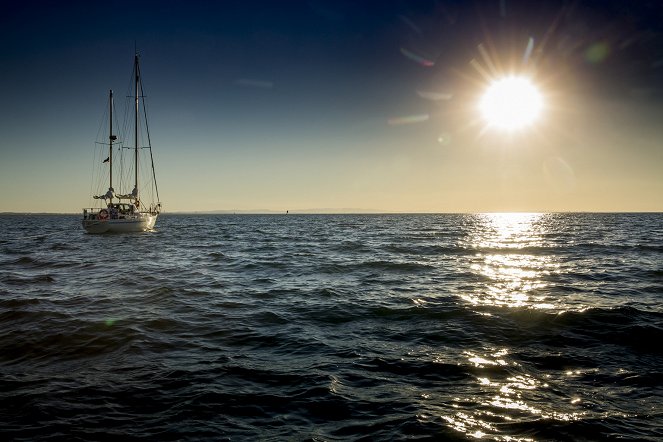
377,327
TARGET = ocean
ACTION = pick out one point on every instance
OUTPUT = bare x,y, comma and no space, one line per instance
333,327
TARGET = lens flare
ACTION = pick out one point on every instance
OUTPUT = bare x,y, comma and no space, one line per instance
410,119
597,52
417,58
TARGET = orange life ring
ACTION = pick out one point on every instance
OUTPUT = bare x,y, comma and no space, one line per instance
103,214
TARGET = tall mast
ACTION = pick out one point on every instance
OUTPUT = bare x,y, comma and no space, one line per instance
136,70
111,138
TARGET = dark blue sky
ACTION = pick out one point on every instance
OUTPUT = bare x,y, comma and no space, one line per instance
302,85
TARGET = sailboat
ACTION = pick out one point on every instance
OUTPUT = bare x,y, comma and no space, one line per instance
126,212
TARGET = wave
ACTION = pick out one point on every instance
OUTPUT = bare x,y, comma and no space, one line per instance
20,280
374,266
216,256
63,247
611,248
427,250
422,371
351,246
14,304
30,262
71,339
26,261
627,327
404,267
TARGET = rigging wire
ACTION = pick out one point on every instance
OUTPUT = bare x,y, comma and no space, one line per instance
149,141
100,171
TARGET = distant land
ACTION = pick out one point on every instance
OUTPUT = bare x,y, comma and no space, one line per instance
277,212
348,211
232,212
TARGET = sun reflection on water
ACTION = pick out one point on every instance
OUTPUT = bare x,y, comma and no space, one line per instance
507,230
510,259
514,266
509,395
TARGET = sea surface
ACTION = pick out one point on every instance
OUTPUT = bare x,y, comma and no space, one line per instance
333,328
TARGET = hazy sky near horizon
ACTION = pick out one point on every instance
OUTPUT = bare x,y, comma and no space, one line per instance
339,105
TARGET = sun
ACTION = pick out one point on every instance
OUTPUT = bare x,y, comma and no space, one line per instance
511,103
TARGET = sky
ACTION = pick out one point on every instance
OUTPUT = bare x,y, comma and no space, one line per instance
339,106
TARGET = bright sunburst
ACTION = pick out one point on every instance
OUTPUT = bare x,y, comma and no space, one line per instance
511,103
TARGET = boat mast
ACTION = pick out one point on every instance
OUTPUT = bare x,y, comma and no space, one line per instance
111,138
136,70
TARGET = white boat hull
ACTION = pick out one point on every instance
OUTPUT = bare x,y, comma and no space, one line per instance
139,223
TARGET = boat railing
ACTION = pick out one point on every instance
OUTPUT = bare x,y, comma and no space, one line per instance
102,214
91,213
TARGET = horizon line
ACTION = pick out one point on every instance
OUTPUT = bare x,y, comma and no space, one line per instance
345,212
